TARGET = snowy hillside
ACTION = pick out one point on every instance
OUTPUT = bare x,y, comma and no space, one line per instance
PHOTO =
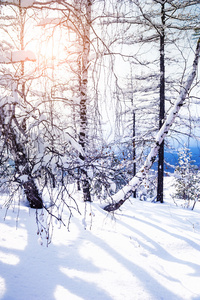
145,251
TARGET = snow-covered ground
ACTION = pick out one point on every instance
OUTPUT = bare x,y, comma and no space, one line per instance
145,251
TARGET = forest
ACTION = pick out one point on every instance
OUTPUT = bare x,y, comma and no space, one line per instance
93,93
99,150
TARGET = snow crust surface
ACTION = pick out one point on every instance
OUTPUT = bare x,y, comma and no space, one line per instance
144,251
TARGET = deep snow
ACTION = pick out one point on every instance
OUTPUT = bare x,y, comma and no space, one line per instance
144,251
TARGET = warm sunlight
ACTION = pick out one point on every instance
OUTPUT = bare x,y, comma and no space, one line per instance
57,54
50,46
99,150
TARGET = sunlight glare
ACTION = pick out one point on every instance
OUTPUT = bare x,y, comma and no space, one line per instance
49,46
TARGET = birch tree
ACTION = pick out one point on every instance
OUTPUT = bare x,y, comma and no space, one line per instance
162,25
70,87
120,197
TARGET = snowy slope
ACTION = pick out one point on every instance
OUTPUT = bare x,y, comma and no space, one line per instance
145,251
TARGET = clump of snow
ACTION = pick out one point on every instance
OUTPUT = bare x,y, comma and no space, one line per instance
17,56
22,55
74,143
23,178
26,3
48,21
21,3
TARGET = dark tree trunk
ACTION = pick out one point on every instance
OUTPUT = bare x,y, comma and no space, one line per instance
32,194
29,186
21,159
22,162
86,187
160,184
133,135
134,152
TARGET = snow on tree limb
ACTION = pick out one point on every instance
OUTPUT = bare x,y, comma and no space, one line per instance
17,56
21,3
74,143
49,21
122,195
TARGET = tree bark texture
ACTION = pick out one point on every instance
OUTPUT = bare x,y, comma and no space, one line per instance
84,97
21,160
161,151
134,151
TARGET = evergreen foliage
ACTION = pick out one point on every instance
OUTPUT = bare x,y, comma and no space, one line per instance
187,179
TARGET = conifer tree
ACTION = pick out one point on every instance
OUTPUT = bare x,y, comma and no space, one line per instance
187,178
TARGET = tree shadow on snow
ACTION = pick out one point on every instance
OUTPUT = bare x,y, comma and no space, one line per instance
37,273
154,248
62,271
150,284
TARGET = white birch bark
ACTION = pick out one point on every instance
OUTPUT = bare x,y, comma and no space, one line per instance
122,195
84,97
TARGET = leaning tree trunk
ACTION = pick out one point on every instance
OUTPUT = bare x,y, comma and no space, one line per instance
121,196
13,135
22,170
29,186
24,177
32,193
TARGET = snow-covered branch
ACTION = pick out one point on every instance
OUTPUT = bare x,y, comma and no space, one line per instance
21,3
17,56
121,196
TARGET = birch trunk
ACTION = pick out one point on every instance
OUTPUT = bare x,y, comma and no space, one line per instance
121,196
84,98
